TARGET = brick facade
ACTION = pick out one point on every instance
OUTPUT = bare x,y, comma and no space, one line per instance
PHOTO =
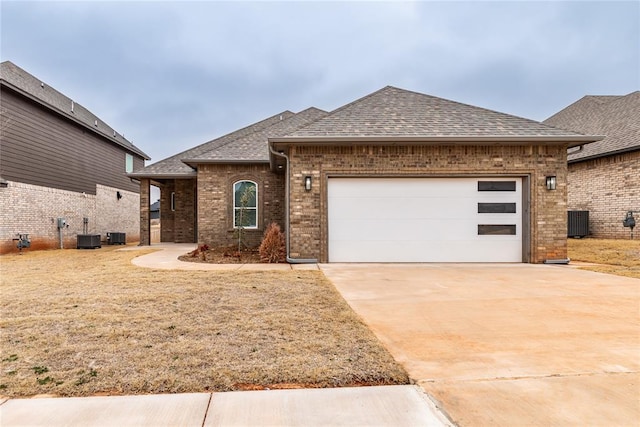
308,210
33,209
215,202
607,187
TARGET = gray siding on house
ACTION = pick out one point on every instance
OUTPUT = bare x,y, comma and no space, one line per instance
40,147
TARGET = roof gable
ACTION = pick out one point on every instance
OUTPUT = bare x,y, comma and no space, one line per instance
394,112
616,117
28,85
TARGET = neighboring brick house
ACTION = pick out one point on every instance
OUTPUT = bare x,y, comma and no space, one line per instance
58,160
604,176
395,176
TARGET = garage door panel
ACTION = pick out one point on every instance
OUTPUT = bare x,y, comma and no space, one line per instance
420,220
420,251
409,187
402,208
434,230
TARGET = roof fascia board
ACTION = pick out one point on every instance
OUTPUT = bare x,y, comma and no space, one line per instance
69,117
193,162
139,175
572,140
607,154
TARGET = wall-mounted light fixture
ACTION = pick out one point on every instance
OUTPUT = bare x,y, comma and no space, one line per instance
551,182
118,195
307,183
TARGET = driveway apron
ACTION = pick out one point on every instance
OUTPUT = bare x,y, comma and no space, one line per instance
507,344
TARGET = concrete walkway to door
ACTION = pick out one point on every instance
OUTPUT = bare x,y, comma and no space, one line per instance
507,345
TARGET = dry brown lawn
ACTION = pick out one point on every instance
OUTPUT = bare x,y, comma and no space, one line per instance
78,323
621,257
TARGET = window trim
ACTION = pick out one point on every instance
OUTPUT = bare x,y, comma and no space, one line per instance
234,208
173,201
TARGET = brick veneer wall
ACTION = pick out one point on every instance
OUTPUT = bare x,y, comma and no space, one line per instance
215,202
34,209
308,217
607,187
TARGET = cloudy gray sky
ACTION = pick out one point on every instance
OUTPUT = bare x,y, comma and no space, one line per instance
172,75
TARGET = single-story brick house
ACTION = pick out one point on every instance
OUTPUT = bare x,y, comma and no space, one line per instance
396,176
604,176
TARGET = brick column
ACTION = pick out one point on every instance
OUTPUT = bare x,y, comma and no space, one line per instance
145,220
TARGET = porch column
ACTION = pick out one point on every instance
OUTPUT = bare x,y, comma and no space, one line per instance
145,208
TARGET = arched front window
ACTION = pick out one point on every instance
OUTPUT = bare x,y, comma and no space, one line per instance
245,204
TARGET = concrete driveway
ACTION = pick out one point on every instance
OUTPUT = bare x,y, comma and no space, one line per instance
507,345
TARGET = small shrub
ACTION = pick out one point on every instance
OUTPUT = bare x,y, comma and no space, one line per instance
272,248
200,252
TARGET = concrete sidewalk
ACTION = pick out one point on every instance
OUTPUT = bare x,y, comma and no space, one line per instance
166,258
354,406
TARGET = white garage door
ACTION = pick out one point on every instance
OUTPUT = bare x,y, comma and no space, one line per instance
425,219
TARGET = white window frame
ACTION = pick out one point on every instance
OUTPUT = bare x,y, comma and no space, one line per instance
173,201
252,208
128,163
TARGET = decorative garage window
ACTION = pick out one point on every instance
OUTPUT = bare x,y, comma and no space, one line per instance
496,230
496,208
496,186
245,204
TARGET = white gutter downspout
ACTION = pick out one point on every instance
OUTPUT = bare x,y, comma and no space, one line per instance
286,216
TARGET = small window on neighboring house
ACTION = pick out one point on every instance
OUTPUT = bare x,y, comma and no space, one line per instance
128,162
245,204
173,201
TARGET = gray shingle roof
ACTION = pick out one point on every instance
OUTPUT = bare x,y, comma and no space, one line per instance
254,147
387,113
616,117
27,84
393,112
174,167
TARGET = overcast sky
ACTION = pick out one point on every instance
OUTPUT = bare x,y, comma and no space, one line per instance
172,75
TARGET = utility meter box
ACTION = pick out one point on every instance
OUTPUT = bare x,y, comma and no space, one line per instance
62,222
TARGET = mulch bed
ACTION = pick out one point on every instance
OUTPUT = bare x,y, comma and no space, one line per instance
226,255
